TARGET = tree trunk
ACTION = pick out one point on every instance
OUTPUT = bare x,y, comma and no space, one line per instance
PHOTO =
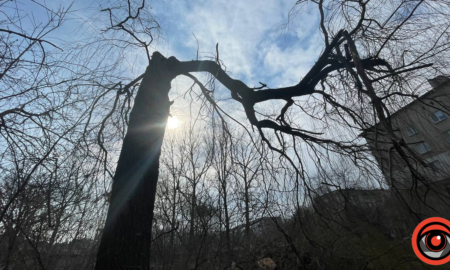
174,209
247,210
126,238
192,214
227,220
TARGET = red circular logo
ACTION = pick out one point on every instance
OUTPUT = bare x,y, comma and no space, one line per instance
430,241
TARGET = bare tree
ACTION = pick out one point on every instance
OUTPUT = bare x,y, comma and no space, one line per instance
248,168
55,134
65,111
352,62
222,166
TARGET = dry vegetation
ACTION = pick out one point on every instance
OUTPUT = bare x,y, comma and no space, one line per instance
239,186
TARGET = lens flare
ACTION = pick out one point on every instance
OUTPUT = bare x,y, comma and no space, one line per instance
173,122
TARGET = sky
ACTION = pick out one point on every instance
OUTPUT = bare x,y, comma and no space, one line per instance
258,42
255,42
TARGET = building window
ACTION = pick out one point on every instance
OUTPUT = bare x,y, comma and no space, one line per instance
435,165
411,130
438,116
423,148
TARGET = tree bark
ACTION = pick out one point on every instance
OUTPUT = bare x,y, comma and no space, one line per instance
126,238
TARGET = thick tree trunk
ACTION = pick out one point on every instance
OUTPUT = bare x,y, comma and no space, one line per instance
126,238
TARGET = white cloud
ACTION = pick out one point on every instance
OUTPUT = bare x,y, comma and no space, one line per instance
250,41
288,65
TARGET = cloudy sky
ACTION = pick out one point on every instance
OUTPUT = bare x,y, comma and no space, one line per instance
255,40
258,41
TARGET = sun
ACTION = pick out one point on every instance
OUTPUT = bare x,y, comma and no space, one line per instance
173,122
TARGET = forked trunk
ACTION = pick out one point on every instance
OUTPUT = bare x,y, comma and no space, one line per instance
126,238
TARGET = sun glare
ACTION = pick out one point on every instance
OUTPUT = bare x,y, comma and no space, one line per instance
173,122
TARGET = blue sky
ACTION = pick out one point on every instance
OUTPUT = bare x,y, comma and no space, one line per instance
254,41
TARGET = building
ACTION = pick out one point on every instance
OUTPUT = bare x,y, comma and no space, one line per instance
394,212
424,125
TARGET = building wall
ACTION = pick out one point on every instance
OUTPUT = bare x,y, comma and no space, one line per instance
437,135
395,212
